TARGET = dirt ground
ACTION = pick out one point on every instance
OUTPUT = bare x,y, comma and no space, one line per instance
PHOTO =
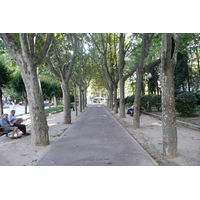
149,136
20,152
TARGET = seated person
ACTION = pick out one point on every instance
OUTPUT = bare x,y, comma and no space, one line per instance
130,110
72,106
141,110
6,126
17,122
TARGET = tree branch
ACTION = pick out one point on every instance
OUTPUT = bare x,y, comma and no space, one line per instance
11,45
52,68
96,45
74,42
45,47
31,41
146,68
25,46
153,64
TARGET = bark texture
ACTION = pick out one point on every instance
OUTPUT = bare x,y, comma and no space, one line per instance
121,78
1,103
168,61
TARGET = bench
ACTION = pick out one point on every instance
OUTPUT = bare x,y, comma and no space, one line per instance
3,132
141,111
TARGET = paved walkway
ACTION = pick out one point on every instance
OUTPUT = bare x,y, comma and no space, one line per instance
96,139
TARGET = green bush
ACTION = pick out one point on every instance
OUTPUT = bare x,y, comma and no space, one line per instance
129,100
186,103
145,100
156,102
197,94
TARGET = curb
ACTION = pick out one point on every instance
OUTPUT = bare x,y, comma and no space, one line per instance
188,125
54,112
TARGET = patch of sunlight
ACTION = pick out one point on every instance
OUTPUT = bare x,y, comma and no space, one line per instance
52,124
157,124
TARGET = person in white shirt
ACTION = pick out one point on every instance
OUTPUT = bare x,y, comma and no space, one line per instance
6,126
17,122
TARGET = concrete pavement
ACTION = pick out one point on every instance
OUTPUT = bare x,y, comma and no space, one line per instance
96,139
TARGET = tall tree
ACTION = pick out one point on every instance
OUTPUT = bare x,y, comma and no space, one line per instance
141,68
169,55
139,77
106,43
61,61
122,53
82,73
28,50
130,50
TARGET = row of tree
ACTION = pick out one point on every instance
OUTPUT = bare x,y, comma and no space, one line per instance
108,59
58,52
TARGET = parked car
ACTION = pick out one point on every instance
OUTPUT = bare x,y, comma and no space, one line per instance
21,103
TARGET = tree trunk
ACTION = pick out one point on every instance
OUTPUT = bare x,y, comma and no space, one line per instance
39,127
139,79
169,45
115,99
108,100
136,117
83,99
111,98
121,80
80,99
1,103
55,101
122,99
26,105
66,98
75,97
